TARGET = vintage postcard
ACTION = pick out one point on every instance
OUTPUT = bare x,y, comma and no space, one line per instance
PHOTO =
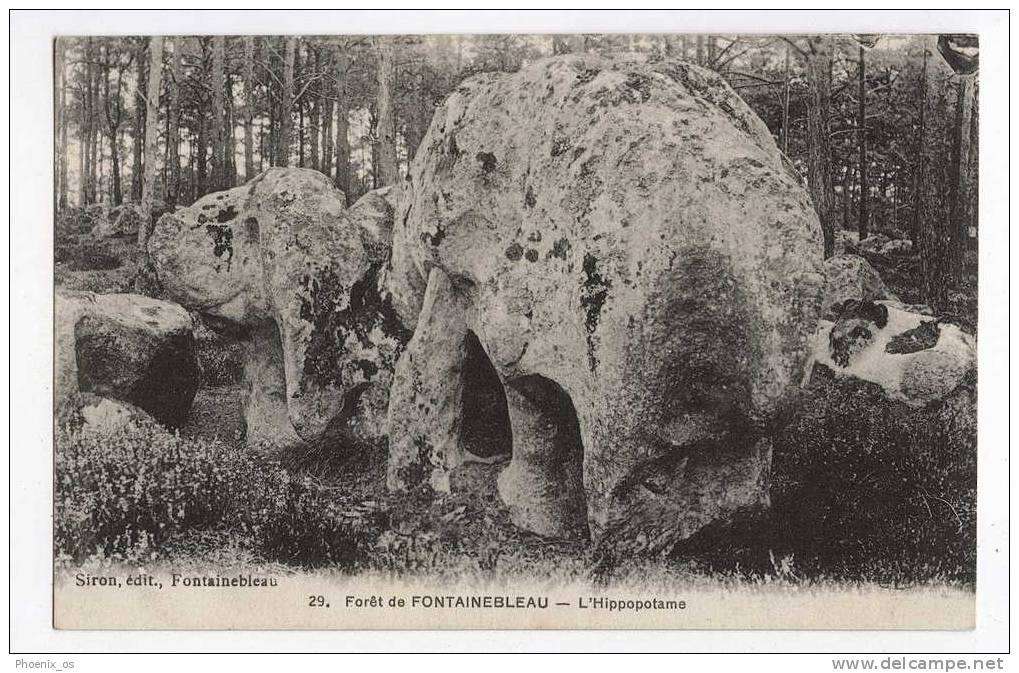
515,331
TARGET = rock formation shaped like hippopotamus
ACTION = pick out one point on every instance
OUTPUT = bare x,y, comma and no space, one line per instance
284,260
643,270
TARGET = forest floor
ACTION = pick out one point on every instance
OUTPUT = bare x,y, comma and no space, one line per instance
854,482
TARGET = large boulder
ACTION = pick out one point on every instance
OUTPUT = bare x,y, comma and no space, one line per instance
915,358
283,259
125,347
851,277
643,271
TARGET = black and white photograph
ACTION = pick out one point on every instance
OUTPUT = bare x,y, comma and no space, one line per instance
516,330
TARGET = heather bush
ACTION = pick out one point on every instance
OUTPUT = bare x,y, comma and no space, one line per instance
863,489
75,220
110,281
132,493
221,357
83,254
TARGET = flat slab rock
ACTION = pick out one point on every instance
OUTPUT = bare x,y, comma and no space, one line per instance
915,359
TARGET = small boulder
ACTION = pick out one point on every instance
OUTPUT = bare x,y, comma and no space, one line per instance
873,243
848,277
104,416
125,347
846,242
73,221
123,221
915,358
95,213
898,246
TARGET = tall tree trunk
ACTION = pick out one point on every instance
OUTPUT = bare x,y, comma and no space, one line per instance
192,168
95,154
62,141
935,212
895,198
249,107
935,244
100,194
847,197
300,134
861,131
82,153
700,50
116,187
314,112
230,142
151,140
373,126
921,141
272,131
819,158
263,146
327,125
299,64
139,123
286,140
712,41
88,112
173,121
388,172
342,141
959,174
201,156
785,105
218,127
973,170
166,136
112,130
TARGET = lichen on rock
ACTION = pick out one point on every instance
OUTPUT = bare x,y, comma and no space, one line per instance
626,233
283,258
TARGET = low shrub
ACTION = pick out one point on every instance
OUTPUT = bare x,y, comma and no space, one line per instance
863,489
116,280
220,351
902,274
221,361
126,491
300,525
87,258
74,220
129,494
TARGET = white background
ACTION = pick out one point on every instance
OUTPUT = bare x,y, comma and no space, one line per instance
30,333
